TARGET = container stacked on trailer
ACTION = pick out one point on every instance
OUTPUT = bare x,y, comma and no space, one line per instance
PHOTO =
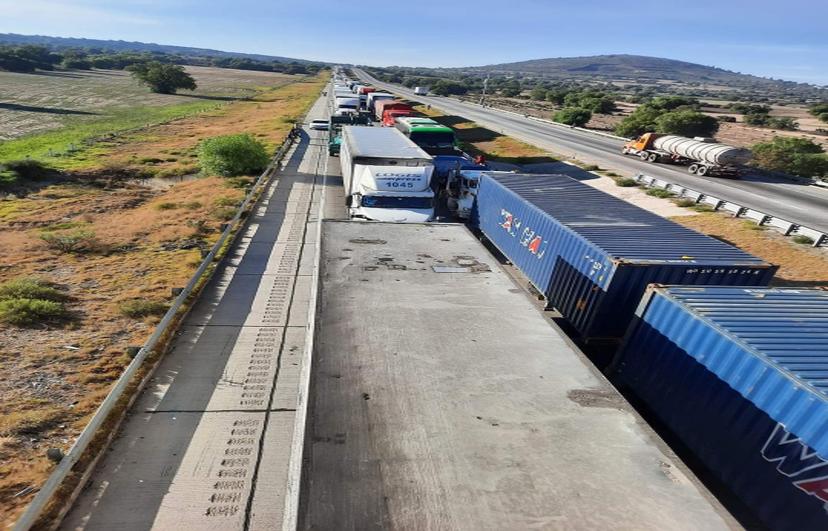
741,376
592,255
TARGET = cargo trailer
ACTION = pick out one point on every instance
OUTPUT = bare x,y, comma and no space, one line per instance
592,255
390,117
386,176
375,97
382,106
441,398
740,375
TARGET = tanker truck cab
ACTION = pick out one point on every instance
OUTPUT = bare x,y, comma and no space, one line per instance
386,176
702,156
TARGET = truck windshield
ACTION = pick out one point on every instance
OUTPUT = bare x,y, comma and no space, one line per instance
384,201
433,140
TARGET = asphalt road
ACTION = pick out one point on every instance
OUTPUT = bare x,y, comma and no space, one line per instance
207,444
800,203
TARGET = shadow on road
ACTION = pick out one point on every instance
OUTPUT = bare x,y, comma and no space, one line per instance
47,110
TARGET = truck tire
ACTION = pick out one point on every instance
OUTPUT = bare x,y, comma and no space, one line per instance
693,168
643,155
652,157
702,170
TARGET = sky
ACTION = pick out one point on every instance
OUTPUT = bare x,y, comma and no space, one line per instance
787,39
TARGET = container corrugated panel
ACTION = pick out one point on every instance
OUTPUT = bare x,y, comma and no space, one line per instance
592,255
741,376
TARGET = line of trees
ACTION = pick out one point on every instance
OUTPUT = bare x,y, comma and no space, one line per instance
676,115
28,58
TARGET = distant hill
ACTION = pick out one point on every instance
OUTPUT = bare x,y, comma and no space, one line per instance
628,67
125,46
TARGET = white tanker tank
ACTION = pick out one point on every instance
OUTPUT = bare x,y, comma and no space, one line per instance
701,155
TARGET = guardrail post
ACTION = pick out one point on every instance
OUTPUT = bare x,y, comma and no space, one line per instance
719,204
765,219
822,238
739,212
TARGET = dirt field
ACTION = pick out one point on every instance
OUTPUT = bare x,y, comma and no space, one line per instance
48,100
138,243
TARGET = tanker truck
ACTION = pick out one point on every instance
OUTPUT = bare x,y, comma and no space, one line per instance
702,156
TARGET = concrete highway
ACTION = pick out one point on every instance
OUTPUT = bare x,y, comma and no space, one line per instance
800,203
208,443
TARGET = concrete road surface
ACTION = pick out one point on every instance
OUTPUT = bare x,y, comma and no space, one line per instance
799,203
207,444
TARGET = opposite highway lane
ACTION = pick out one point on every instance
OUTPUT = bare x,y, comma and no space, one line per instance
799,203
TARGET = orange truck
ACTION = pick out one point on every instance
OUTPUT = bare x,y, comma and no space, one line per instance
702,156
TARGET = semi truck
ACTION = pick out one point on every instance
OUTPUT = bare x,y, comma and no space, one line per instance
440,397
434,138
375,97
380,107
386,176
702,156
335,124
346,105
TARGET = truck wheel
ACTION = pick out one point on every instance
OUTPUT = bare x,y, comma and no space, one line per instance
652,157
693,168
643,156
702,170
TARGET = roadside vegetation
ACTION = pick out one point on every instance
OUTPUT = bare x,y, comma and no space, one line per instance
93,242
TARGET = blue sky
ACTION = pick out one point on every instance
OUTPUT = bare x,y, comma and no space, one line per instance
786,39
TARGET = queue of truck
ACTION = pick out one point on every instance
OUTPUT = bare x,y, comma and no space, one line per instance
736,369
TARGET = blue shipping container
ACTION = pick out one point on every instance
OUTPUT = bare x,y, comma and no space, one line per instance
592,255
741,376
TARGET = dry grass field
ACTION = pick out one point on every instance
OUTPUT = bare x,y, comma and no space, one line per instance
131,245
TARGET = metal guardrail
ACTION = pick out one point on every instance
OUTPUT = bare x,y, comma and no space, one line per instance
788,228
41,502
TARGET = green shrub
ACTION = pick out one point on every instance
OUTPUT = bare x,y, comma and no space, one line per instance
166,206
74,241
659,192
232,155
701,207
626,182
224,213
591,167
573,116
685,202
140,308
24,312
225,201
801,238
30,288
193,205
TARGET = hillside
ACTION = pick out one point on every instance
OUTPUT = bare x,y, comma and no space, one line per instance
125,46
629,67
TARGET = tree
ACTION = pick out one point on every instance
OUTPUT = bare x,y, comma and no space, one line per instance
820,110
538,93
161,77
686,123
231,155
798,156
446,87
510,92
642,120
573,116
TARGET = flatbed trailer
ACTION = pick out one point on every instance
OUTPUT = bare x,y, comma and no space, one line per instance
440,397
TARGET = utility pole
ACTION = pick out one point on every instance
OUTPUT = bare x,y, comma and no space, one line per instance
485,86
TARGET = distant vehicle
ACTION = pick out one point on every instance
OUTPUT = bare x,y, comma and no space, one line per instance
386,176
421,91
319,125
702,156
